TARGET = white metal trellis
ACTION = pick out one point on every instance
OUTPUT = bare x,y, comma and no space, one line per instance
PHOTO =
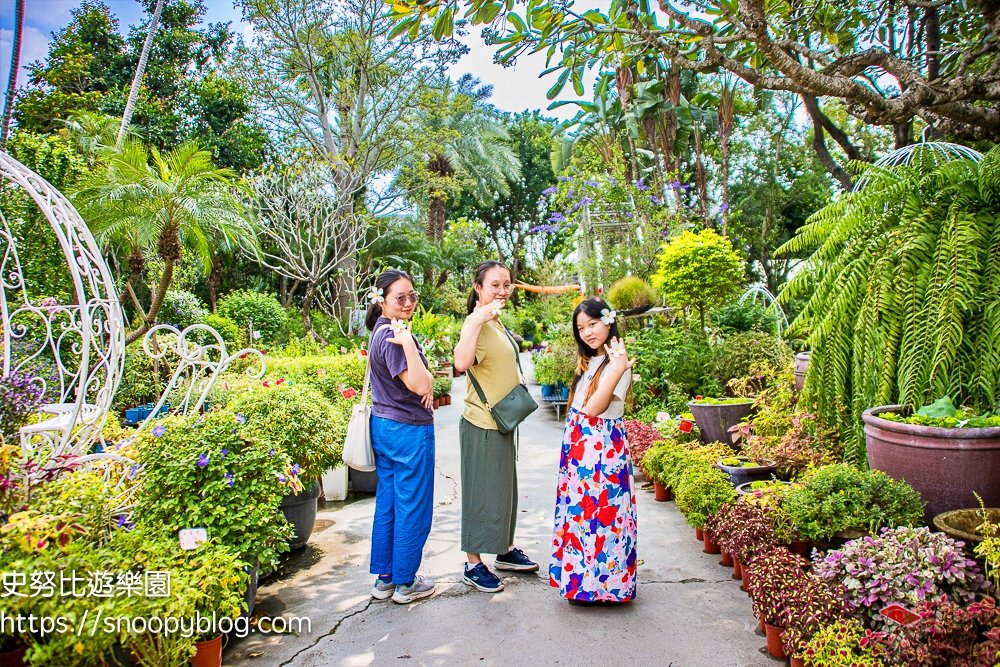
82,342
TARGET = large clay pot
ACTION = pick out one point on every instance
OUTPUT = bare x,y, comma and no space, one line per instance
948,466
662,492
300,511
774,646
801,365
738,475
208,653
715,419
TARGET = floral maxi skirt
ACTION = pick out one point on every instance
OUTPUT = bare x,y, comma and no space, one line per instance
593,544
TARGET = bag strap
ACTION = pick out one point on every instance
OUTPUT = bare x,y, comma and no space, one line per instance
368,365
517,358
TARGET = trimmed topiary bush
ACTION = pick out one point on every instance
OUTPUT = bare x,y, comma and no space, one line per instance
631,292
263,310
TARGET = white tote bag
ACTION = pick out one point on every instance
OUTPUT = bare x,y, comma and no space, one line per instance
358,452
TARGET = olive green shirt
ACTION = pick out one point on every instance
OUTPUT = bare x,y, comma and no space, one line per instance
496,372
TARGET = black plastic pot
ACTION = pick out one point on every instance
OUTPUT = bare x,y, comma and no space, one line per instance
363,482
715,419
745,490
250,596
739,475
300,511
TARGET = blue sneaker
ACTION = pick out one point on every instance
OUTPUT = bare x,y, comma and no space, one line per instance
481,577
515,560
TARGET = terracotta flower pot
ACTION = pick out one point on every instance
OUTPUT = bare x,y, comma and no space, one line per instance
437,403
948,466
797,662
710,546
662,492
762,628
802,548
208,653
746,581
801,366
727,560
699,535
774,646
13,658
737,570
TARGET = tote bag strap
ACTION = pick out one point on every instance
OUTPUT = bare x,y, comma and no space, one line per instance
368,365
517,358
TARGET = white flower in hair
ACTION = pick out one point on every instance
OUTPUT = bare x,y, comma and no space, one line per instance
617,348
608,316
399,326
496,307
375,295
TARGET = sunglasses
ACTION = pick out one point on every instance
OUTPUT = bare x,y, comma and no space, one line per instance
412,297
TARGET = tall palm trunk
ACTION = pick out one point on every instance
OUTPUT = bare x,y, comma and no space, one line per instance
139,72
435,218
214,281
700,176
15,63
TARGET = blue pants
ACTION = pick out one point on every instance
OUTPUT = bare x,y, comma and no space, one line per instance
404,500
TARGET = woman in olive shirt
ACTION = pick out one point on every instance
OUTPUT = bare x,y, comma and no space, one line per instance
489,476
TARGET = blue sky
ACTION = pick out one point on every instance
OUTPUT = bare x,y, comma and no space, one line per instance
514,89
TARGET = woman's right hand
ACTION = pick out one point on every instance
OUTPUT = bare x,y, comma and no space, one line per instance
620,362
484,313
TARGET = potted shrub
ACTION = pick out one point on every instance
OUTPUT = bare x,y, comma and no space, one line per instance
952,457
840,644
716,416
815,605
702,491
904,565
773,580
743,470
209,472
653,462
297,420
640,436
840,499
744,532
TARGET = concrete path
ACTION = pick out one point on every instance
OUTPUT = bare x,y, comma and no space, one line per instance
688,612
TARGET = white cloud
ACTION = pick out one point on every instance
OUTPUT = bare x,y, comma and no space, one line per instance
51,14
34,46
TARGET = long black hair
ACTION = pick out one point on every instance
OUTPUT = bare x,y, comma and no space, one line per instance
592,307
481,272
385,280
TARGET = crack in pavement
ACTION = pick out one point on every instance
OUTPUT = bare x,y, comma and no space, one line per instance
454,489
692,580
332,632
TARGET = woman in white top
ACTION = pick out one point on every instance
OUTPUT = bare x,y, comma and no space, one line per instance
593,544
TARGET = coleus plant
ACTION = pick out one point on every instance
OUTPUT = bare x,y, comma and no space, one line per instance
742,530
814,605
640,436
774,579
905,565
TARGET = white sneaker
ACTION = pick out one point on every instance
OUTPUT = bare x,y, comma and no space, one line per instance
420,588
383,590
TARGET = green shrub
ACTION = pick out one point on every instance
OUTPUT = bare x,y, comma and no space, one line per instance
227,329
747,316
181,309
631,292
702,490
295,419
668,356
555,364
442,387
839,497
263,310
701,271
325,373
140,383
213,472
740,351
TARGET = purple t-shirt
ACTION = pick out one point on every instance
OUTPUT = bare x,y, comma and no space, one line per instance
390,397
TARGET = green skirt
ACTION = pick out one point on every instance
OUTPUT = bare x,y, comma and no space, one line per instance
489,489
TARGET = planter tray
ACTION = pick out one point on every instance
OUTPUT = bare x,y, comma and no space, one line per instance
558,402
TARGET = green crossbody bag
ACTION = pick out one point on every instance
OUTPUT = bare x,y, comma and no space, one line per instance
513,408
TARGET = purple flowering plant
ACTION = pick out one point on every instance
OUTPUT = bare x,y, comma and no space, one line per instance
188,482
20,396
905,565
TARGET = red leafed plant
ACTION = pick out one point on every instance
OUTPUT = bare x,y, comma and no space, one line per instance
640,436
805,611
742,530
946,635
774,579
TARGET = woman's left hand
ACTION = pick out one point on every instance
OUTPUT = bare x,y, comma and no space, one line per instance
618,357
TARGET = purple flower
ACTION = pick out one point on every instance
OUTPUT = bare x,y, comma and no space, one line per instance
229,480
550,191
564,178
547,229
225,452
585,201
282,478
131,473
271,452
685,186
240,419
557,217
296,469
665,233
121,520
724,207
614,181
641,185
159,431
593,184
203,460
673,185
654,200
571,193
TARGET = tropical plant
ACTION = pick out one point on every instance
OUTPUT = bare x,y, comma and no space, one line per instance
640,437
838,498
904,291
774,580
701,271
141,201
841,644
742,530
740,351
904,565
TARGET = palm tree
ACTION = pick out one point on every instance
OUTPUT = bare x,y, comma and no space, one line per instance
140,70
15,63
468,146
140,200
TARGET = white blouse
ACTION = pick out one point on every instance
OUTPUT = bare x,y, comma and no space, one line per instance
616,409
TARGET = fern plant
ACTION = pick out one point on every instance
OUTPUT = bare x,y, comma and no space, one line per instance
905,291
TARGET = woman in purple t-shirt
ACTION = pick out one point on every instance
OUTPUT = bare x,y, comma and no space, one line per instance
402,431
